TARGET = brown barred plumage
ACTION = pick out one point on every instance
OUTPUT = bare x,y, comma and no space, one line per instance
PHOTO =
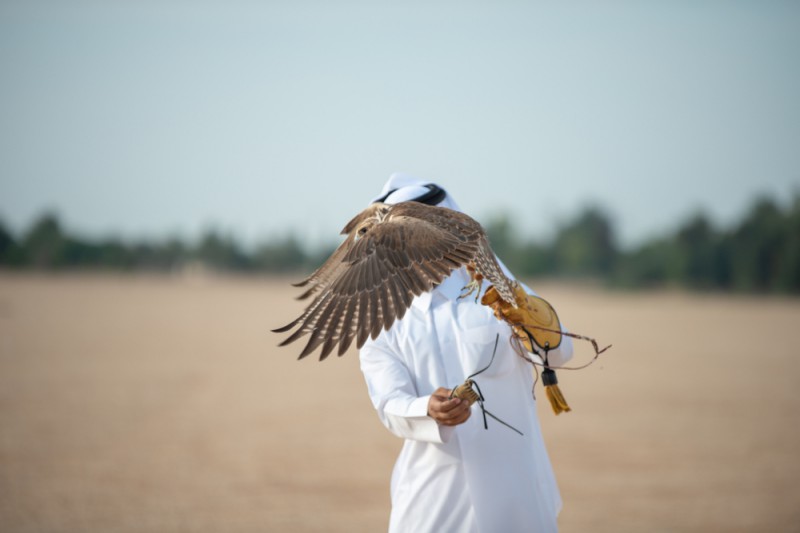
392,254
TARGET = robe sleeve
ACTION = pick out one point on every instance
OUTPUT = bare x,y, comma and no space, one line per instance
394,395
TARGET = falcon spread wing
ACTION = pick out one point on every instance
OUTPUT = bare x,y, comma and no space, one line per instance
392,253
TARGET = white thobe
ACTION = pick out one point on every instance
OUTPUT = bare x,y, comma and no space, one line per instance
463,478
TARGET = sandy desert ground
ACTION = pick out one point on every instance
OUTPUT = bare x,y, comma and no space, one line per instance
143,403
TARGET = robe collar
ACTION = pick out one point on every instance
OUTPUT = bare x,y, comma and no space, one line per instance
448,290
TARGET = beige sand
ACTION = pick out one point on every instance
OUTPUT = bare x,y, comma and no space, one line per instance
159,404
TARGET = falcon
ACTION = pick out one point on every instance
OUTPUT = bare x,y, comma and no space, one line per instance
392,254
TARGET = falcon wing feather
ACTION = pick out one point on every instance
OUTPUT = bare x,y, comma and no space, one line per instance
391,255
331,267
486,263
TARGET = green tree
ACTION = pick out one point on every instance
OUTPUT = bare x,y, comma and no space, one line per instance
114,254
645,266
534,260
697,247
9,249
45,244
283,255
586,246
221,252
757,246
788,276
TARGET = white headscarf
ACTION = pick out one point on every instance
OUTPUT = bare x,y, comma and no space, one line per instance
405,187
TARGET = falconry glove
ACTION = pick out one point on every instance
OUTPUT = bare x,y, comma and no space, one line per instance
536,327
393,253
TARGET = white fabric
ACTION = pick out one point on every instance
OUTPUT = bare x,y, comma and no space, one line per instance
407,187
463,478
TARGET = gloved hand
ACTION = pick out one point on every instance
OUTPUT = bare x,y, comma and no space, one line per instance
532,315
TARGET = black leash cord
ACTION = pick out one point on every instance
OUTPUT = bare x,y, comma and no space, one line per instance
481,399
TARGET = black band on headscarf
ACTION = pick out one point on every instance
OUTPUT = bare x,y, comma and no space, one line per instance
434,196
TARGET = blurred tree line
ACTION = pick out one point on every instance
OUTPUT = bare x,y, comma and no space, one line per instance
759,254
47,246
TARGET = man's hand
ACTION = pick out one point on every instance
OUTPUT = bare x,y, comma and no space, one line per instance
446,411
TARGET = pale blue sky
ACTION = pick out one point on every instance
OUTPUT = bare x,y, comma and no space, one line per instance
143,119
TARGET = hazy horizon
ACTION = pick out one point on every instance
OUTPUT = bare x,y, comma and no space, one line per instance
165,118
333,238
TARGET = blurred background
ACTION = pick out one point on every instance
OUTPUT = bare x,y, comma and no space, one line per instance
167,168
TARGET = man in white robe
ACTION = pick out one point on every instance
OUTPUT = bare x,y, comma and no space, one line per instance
453,475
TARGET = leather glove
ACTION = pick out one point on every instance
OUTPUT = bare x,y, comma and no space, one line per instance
531,315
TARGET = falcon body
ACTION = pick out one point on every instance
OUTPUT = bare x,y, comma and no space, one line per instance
391,254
